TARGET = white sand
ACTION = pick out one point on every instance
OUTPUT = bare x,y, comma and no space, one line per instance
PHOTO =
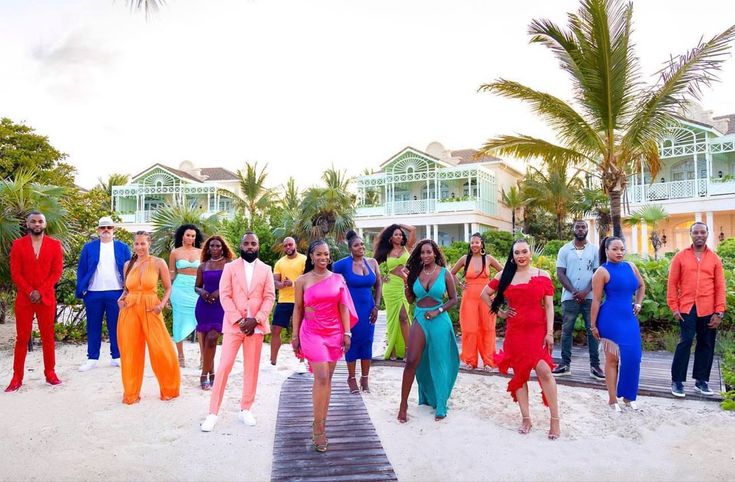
81,431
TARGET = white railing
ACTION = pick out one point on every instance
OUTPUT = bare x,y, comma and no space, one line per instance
425,206
678,190
147,215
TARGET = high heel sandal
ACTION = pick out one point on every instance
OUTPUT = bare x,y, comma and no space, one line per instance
554,436
211,378
352,384
319,440
524,429
364,384
206,385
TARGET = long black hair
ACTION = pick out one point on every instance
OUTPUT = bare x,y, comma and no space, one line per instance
606,244
309,263
509,270
134,257
179,235
469,254
383,244
414,264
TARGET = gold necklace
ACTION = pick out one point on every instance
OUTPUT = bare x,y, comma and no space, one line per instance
432,271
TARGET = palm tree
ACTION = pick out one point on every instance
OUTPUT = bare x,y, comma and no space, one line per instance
650,214
256,197
167,220
513,199
148,6
613,126
553,189
327,210
114,179
291,196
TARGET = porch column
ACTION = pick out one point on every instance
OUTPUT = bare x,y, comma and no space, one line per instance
360,233
697,217
592,232
634,239
209,201
475,228
428,232
644,239
467,232
435,237
711,229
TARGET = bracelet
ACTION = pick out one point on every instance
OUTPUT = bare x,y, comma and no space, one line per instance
347,333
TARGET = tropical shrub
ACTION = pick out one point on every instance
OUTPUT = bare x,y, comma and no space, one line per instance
498,243
552,247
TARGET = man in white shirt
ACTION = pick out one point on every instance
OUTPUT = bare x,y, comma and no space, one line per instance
100,282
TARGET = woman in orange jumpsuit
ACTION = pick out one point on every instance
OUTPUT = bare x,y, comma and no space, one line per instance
476,322
141,323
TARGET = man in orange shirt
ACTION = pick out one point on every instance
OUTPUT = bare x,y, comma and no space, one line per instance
696,296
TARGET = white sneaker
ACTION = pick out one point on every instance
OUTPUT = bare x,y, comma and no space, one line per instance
115,362
87,365
632,405
247,418
302,368
208,423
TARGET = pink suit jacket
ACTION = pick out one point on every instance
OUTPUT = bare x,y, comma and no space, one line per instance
236,296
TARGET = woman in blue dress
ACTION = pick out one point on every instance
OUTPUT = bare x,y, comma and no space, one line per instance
431,355
614,321
364,282
183,263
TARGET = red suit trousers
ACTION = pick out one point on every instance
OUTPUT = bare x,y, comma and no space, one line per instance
45,315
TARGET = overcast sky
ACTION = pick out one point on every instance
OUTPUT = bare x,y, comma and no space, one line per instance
298,84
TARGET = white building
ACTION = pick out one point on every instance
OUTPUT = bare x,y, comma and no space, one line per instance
447,195
211,189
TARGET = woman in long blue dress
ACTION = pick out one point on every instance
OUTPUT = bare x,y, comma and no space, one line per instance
362,276
614,321
183,263
431,355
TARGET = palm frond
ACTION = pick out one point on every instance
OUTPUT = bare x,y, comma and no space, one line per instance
527,147
571,127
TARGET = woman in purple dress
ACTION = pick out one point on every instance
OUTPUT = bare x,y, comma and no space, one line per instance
209,312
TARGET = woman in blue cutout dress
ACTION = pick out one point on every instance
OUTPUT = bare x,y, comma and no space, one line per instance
183,263
614,321
362,276
431,355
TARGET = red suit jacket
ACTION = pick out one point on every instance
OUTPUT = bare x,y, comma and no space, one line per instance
42,274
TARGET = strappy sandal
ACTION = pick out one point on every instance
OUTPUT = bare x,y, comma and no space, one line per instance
552,435
524,429
364,384
206,385
319,440
211,378
352,384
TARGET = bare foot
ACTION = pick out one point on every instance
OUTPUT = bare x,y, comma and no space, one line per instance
402,415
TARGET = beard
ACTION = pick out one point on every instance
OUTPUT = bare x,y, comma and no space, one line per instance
249,256
290,252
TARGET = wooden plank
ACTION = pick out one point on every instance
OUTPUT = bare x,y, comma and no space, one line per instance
355,451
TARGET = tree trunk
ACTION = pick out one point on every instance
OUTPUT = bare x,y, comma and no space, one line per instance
615,213
513,222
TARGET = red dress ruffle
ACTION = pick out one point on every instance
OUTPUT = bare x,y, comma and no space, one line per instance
523,345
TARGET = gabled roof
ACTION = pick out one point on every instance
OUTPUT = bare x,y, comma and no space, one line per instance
176,172
218,174
699,125
414,151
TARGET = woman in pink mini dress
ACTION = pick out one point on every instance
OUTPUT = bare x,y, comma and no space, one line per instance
323,316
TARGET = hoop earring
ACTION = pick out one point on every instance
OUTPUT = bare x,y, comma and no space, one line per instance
482,252
513,261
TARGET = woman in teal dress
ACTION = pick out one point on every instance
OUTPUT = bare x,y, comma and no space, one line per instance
391,252
183,264
432,355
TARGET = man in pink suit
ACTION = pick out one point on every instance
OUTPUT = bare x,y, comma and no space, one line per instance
247,293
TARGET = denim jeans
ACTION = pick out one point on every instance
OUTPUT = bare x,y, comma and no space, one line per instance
570,311
704,352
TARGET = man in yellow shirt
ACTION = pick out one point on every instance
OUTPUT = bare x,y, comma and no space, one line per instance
285,272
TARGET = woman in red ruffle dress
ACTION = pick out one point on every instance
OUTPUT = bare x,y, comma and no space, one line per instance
524,296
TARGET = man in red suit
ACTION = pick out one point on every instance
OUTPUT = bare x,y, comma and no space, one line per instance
36,263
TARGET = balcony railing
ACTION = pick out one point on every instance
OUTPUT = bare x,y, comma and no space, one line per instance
147,215
693,188
425,206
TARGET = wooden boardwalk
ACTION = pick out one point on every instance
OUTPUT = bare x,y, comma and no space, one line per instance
655,369
355,452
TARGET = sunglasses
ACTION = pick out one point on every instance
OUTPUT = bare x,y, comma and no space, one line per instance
107,228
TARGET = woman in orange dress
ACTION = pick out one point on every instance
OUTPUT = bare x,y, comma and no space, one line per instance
476,322
141,323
